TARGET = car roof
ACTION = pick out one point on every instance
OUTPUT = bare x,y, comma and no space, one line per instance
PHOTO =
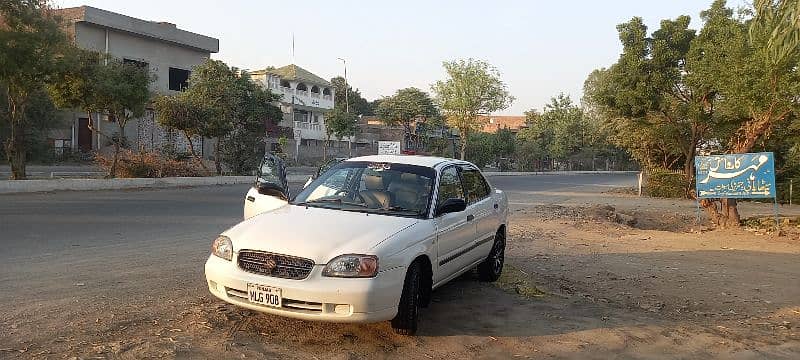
419,160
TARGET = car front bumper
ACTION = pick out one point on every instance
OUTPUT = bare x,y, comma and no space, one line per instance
316,297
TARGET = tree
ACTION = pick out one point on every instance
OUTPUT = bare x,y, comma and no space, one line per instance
180,113
649,100
239,109
244,147
31,42
358,105
340,125
103,85
472,88
123,92
41,115
755,91
404,108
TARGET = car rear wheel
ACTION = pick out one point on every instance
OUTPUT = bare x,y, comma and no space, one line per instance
405,323
491,268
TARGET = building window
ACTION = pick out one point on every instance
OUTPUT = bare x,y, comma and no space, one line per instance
178,79
302,87
285,84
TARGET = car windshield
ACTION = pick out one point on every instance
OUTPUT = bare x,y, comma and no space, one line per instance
383,188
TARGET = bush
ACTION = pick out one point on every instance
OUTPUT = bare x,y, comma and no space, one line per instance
149,165
666,184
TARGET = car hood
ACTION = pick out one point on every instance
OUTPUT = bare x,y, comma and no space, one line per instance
315,233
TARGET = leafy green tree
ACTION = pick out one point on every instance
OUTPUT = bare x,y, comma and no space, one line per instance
103,86
339,124
180,113
755,91
243,148
31,42
650,101
358,105
472,88
41,115
239,109
404,108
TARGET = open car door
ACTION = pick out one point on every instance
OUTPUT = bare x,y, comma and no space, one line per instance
271,189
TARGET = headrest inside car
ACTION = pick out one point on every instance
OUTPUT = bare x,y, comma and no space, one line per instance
373,182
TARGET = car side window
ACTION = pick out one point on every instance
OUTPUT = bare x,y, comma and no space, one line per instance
476,186
450,186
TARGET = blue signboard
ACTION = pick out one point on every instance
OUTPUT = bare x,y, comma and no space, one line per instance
735,175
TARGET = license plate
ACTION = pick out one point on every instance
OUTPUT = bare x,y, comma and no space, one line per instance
264,295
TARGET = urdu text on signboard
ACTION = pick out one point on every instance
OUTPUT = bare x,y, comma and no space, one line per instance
749,175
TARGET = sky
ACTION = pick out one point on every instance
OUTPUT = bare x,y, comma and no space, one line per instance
541,48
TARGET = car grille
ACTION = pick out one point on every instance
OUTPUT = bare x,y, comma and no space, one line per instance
275,265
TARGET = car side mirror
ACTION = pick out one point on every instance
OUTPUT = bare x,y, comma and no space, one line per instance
451,206
271,189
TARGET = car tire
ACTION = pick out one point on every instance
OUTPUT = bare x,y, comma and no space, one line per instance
491,268
405,323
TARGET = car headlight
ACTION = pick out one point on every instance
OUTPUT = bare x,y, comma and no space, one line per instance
222,247
352,266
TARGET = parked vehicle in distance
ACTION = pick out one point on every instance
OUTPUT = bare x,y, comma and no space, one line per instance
271,188
367,241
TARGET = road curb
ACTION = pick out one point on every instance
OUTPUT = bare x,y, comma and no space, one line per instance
517,173
27,186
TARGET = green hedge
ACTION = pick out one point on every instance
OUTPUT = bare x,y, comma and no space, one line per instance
666,184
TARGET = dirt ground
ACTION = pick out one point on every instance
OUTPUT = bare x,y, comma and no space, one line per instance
595,278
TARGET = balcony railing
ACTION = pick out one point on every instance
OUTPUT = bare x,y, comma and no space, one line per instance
307,126
302,92
315,95
287,90
327,97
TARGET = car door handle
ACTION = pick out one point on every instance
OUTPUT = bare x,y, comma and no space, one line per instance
251,199
470,217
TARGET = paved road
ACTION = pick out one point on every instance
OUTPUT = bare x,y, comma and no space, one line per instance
54,223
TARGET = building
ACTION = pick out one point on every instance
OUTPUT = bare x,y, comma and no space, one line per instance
493,123
306,98
168,52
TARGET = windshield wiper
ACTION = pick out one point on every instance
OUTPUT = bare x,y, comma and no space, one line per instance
330,200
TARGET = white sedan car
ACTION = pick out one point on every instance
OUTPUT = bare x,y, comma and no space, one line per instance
367,241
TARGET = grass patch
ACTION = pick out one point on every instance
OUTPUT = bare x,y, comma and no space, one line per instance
516,281
767,223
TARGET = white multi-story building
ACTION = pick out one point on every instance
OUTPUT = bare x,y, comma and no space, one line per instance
306,98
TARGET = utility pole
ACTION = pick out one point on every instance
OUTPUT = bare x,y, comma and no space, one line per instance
346,99
347,105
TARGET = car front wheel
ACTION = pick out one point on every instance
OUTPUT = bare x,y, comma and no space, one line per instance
405,323
491,268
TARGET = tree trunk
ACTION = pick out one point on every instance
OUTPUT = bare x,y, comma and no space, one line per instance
112,173
732,218
15,144
464,133
217,163
193,152
15,151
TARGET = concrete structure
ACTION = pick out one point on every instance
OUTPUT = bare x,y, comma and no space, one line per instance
305,99
168,52
493,123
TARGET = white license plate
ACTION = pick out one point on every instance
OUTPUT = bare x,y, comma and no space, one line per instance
264,295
